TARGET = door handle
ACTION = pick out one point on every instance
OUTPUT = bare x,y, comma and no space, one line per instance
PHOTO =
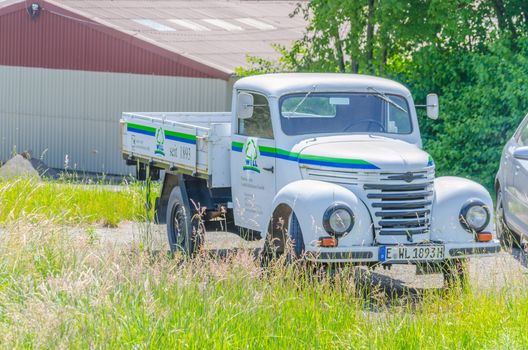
270,169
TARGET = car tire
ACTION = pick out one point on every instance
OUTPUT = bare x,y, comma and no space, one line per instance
184,227
507,237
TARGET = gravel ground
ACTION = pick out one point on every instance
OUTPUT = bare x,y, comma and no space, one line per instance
156,236
17,166
489,272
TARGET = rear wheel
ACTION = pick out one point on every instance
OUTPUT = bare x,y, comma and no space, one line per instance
184,228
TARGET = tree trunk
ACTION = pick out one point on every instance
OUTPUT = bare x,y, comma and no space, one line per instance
384,57
340,54
498,6
505,22
370,35
354,66
524,10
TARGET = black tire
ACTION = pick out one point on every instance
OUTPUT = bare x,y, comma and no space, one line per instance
184,227
455,273
291,244
507,237
296,238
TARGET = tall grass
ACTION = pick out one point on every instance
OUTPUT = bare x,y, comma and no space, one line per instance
57,291
71,202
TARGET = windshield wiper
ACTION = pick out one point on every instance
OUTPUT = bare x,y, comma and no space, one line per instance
386,99
304,99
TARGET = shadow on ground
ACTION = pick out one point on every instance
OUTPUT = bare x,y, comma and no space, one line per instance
521,256
378,289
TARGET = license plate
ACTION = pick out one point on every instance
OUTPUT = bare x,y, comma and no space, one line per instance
412,253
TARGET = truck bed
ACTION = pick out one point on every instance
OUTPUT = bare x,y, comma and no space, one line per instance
191,143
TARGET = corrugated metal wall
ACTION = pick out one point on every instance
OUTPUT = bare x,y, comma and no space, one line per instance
53,112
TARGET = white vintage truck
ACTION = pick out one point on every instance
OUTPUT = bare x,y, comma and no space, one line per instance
332,163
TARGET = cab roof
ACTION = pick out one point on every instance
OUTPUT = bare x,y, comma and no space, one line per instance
280,84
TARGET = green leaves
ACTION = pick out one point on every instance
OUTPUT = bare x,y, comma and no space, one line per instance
473,54
365,36
480,113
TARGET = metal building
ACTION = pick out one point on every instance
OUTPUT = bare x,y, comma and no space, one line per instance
69,68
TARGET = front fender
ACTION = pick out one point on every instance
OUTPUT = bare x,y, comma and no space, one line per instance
451,193
309,200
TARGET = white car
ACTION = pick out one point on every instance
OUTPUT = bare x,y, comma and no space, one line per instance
331,162
511,186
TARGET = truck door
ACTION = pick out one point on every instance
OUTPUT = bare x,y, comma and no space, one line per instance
253,166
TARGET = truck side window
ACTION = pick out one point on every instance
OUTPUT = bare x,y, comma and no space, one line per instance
259,125
398,120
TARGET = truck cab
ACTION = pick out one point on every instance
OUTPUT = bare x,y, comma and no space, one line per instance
333,163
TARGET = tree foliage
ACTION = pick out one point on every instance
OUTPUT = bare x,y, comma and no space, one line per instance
366,35
473,53
483,100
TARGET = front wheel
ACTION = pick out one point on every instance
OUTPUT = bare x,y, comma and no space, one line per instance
296,240
507,237
185,230
288,241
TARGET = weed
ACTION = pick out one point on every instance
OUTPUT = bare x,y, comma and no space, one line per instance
73,292
68,201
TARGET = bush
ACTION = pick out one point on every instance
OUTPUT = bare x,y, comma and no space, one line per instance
483,98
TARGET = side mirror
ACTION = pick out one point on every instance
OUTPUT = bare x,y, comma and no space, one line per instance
432,106
521,153
244,105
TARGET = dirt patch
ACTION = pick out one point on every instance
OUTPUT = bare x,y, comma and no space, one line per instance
24,165
156,235
493,271
18,166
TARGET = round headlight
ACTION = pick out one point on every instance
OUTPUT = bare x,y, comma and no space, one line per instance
474,216
338,220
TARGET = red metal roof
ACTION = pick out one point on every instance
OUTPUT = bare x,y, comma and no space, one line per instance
146,37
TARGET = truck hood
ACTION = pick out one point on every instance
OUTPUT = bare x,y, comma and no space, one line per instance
363,152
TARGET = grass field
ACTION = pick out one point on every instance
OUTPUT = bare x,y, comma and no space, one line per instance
71,202
56,291
59,290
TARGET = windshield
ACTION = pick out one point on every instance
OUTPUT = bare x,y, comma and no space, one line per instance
320,113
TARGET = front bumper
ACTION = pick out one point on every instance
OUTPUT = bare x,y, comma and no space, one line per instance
370,254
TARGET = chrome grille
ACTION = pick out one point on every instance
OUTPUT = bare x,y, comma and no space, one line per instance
400,203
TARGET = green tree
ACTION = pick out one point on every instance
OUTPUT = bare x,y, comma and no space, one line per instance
471,52
365,36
